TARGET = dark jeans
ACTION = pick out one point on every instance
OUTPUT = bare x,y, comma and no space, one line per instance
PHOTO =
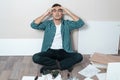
65,59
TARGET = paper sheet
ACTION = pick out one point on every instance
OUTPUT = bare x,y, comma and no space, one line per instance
88,79
43,77
101,76
89,71
28,77
113,71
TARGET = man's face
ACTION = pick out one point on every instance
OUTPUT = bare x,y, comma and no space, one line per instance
57,13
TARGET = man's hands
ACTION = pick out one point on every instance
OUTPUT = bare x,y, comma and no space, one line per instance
65,11
39,19
49,13
68,12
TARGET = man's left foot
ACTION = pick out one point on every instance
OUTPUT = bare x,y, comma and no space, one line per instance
54,73
44,70
48,69
70,69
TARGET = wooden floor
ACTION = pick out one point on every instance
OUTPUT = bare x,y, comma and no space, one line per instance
15,67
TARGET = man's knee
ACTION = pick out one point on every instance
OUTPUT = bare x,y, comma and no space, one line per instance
35,58
78,57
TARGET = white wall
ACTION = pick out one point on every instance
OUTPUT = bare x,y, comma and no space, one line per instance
20,47
96,36
99,36
16,15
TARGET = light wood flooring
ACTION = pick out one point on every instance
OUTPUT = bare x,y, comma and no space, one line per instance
15,67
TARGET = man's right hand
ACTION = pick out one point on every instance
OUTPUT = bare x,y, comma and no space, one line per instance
47,13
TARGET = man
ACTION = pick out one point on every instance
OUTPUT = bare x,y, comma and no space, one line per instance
57,52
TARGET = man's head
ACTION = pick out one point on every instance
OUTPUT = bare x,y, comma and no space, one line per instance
54,5
57,12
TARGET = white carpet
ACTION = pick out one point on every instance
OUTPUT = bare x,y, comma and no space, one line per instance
43,77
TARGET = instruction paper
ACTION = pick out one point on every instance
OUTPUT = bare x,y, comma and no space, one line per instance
89,71
101,76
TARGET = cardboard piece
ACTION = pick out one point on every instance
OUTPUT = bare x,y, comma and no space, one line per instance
104,58
98,65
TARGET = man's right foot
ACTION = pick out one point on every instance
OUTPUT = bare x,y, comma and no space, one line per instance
47,69
54,73
44,70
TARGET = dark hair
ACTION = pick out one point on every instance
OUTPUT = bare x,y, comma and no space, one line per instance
54,5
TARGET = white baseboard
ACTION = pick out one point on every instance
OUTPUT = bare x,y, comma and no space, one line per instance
19,47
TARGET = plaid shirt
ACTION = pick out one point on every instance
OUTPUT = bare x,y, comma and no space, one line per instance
49,27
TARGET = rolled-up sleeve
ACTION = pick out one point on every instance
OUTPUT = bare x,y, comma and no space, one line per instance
75,24
40,26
